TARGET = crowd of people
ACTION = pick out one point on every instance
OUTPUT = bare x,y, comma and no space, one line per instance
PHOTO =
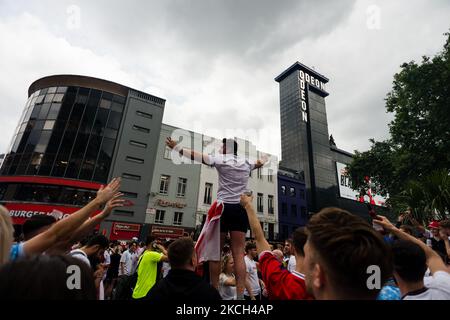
337,255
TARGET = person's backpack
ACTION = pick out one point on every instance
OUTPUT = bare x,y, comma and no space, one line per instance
125,284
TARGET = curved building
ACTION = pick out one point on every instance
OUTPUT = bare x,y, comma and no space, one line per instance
75,133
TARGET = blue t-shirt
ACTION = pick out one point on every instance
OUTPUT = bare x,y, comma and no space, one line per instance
16,251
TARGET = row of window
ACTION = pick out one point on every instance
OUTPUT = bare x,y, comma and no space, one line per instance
164,186
292,192
54,194
161,214
294,210
260,203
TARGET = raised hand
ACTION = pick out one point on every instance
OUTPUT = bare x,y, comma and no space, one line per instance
170,143
384,222
104,194
246,200
115,202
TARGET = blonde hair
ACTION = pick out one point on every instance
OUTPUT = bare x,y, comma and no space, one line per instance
6,235
226,258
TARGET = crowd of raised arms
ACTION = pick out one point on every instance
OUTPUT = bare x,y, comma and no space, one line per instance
337,255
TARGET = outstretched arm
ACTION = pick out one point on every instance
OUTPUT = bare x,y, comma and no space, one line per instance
434,261
261,162
188,153
64,229
255,226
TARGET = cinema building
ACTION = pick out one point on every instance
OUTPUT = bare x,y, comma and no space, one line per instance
306,146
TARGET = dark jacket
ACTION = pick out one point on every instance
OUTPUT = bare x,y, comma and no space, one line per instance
183,285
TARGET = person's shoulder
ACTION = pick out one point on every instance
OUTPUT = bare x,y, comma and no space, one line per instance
440,279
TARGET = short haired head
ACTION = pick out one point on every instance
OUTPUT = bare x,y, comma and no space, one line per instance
338,253
181,254
229,146
278,254
149,240
46,277
36,225
410,262
299,238
97,244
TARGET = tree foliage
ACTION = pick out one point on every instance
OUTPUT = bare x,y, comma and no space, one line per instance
419,143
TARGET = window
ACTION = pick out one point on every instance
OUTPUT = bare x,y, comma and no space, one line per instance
283,190
178,218
284,209
135,160
302,193
159,218
144,114
270,175
181,188
260,204
293,210
270,204
131,176
208,192
48,125
141,129
303,212
138,144
164,184
167,153
259,173
292,191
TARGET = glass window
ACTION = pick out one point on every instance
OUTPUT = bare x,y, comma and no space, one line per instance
283,190
259,173
48,125
207,198
270,175
114,120
178,218
110,133
260,204
104,161
181,188
270,204
167,153
61,90
159,217
303,212
43,91
35,163
101,119
164,184
77,155
293,210
49,98
54,110
284,209
43,142
52,90
302,193
46,164
292,191
40,100
117,107
35,112
105,104
58,97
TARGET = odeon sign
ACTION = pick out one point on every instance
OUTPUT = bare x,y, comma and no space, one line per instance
307,78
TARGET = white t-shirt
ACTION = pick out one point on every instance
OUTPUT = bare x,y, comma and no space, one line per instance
107,256
253,279
438,288
291,264
165,268
129,263
80,255
226,292
233,176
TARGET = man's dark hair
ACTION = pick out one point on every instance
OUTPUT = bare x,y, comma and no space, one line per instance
347,245
31,226
445,223
299,238
180,252
45,277
410,262
98,239
249,246
149,240
228,142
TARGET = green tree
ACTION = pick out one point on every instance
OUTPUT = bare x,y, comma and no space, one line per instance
419,140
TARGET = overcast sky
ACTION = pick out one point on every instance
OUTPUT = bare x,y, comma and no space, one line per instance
215,61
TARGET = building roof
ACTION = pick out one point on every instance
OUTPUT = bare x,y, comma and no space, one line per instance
299,66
